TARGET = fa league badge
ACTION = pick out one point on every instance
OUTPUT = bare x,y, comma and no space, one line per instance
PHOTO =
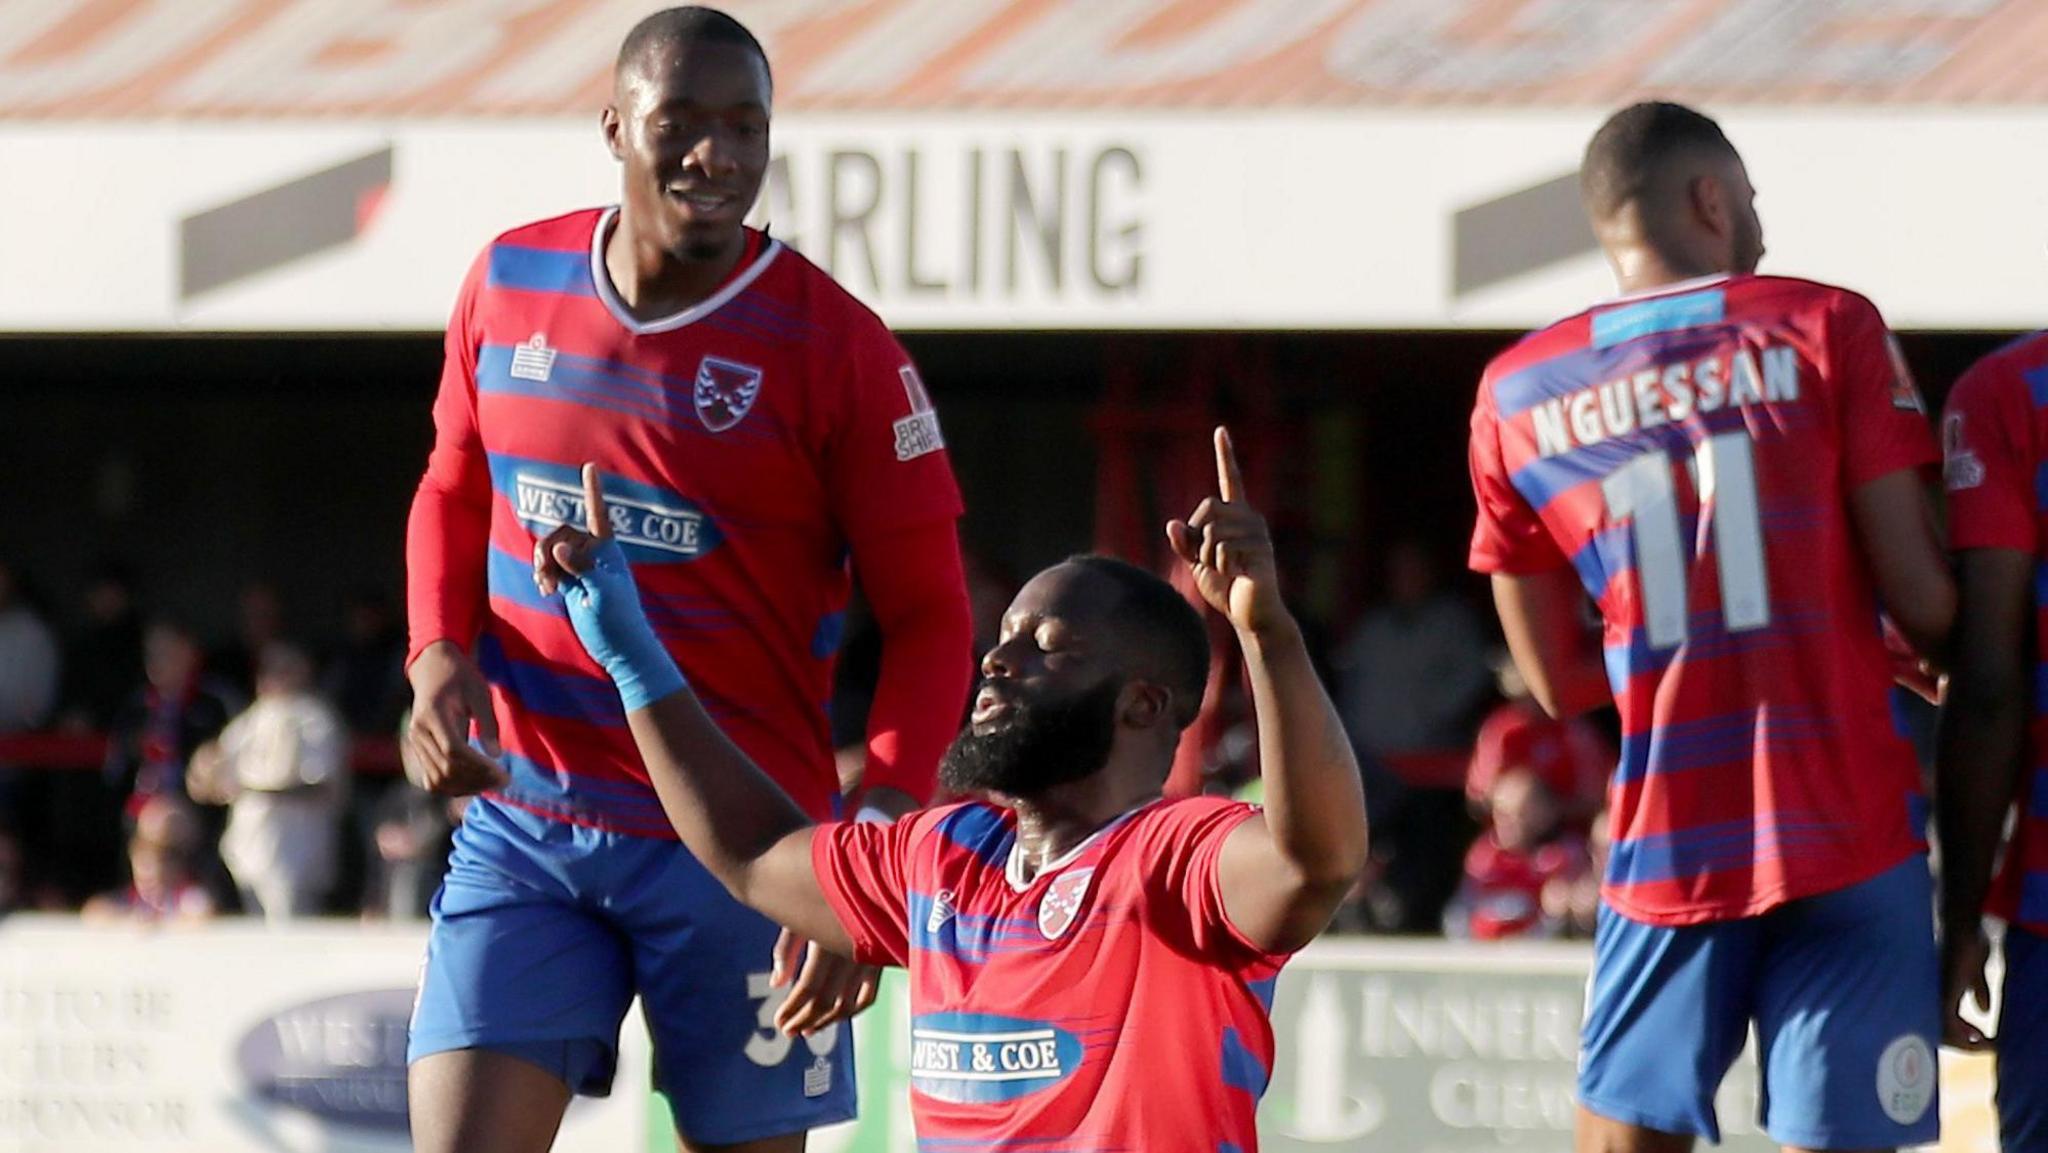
725,392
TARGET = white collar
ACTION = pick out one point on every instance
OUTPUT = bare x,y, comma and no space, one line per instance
1013,868
609,294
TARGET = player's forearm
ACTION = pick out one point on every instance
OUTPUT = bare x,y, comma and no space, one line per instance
447,536
722,805
1977,775
1314,796
915,585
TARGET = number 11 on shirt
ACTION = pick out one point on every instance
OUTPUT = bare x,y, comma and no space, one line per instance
1724,474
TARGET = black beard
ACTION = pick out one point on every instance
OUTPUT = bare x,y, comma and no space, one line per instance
1041,746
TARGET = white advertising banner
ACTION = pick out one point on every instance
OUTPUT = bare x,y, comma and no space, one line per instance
1022,220
230,1038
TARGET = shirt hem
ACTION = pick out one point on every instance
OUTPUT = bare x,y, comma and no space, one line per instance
1698,914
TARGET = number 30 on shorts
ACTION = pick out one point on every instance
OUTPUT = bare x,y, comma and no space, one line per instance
767,1045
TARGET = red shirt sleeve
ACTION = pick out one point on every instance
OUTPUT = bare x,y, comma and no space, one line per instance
917,589
885,459
1988,466
863,870
1183,845
448,532
1881,416
1509,537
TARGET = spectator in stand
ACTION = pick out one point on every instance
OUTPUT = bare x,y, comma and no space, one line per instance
1574,902
365,676
281,767
1570,756
163,856
259,624
1523,852
1411,680
176,710
28,660
103,658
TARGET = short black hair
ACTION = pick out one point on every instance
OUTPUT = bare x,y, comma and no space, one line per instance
1168,625
685,25
1628,154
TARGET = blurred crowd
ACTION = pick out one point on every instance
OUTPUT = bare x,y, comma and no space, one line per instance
237,775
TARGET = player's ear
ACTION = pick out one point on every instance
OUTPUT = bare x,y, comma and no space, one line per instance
1143,705
1707,200
609,121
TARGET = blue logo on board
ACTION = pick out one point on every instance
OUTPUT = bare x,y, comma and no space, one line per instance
977,1058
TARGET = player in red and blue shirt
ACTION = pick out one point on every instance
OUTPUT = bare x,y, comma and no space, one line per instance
1730,465
1090,964
765,440
1994,740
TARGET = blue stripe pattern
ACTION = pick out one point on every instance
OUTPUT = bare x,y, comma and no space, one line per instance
1561,375
510,578
2037,796
536,782
1707,639
969,937
1664,314
540,270
1263,990
1714,848
2037,381
981,830
2034,898
1679,746
1242,1068
549,691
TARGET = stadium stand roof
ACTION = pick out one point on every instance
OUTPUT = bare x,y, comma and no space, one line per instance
468,59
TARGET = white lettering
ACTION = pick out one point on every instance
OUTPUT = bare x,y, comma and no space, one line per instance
1745,383
1617,408
1781,374
1585,417
1551,436
1712,392
1678,390
1649,405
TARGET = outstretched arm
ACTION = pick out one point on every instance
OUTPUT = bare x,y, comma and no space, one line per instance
1556,655
729,814
1284,874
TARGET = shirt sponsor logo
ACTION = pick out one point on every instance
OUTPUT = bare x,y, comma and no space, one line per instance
1061,905
533,360
652,525
975,1057
725,392
1961,468
918,433
1666,394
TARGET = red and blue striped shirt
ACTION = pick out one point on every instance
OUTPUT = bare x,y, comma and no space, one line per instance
748,444
1690,452
1995,433
1105,1004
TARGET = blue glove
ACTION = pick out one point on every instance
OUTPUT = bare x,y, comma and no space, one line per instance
604,605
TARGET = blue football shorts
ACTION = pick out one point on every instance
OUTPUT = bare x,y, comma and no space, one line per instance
2023,1044
1843,989
544,931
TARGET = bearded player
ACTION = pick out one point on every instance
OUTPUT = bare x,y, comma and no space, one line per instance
1091,965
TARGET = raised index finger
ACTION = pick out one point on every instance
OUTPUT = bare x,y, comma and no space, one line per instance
1229,480
595,519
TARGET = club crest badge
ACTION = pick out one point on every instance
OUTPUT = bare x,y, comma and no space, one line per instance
725,392
1061,905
